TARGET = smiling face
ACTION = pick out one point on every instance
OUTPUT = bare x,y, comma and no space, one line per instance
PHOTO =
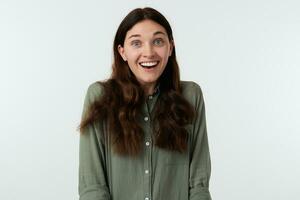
146,50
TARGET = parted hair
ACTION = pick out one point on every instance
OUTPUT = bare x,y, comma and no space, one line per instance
123,96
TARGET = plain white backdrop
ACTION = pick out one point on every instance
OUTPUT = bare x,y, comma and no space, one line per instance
245,55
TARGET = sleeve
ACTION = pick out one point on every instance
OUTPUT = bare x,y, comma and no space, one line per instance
200,163
92,173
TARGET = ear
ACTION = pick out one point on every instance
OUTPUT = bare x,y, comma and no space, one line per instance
121,52
171,47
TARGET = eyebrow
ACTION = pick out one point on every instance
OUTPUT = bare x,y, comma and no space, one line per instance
138,35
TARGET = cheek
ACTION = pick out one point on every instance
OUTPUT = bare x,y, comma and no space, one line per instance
132,56
132,61
163,53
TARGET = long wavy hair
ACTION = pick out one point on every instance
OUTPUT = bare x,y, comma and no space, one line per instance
123,96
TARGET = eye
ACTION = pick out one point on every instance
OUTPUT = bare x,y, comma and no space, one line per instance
158,41
135,43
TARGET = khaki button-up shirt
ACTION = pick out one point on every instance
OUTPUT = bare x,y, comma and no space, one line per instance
157,174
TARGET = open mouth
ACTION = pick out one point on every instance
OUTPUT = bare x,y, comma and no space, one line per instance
149,65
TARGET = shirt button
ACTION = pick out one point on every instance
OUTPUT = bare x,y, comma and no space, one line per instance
146,118
146,171
147,143
150,97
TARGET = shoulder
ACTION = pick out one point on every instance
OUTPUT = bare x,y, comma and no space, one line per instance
191,91
94,91
95,87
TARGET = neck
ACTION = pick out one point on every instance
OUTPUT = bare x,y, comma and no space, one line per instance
149,89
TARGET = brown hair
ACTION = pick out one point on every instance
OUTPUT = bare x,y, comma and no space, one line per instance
123,96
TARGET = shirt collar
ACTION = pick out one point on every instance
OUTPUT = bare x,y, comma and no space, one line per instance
156,89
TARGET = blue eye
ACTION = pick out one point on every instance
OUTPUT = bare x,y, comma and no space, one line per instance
135,43
158,41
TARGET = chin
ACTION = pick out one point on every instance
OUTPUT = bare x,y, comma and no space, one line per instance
148,81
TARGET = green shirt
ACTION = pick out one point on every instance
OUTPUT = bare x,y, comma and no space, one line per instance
157,174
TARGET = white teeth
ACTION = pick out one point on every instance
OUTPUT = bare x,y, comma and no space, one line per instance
148,64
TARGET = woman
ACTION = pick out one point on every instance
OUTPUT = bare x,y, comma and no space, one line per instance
143,131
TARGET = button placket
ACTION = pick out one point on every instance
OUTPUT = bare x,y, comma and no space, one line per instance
147,156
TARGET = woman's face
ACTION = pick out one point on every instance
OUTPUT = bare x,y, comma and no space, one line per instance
146,50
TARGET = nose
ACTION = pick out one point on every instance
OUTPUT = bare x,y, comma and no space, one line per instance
148,50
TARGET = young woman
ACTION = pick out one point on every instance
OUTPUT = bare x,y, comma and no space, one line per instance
143,130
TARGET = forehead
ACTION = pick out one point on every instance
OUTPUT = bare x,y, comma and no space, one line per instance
145,28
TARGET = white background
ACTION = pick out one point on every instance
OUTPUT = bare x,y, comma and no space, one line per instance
244,54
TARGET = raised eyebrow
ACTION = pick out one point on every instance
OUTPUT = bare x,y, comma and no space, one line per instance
138,35
159,32
135,35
